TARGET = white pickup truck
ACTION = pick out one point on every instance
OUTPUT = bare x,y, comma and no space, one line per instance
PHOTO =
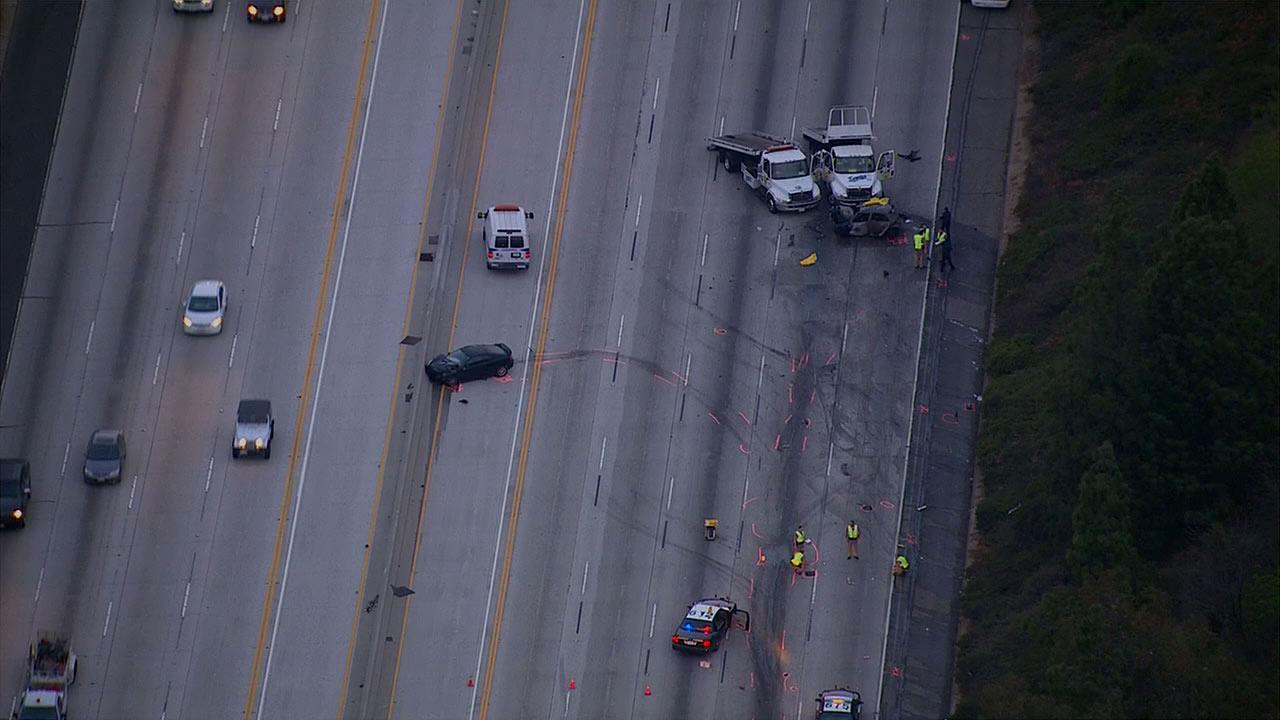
51,671
842,152
771,166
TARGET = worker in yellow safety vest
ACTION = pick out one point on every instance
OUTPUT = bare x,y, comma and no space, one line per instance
797,561
900,565
921,240
851,533
799,535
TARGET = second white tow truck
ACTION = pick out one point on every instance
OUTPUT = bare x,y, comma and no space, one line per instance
842,150
773,167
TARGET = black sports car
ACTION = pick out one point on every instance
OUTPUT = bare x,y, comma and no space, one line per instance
470,362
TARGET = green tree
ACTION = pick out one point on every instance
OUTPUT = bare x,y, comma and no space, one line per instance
1102,539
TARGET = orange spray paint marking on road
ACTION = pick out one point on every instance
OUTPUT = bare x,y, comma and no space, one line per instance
753,531
663,379
742,448
790,400
813,394
787,421
749,500
744,418
713,417
777,441
830,358
804,445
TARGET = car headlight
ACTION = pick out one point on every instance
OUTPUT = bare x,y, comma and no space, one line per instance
177,3
17,514
259,443
114,473
241,442
253,9
217,322
206,3
278,10
186,321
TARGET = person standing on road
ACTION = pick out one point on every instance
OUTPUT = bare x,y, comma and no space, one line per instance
797,561
944,221
851,533
921,240
943,241
799,535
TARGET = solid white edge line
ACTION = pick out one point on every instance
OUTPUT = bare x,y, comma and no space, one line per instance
906,464
324,355
524,381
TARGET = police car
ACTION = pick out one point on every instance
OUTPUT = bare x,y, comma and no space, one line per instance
706,624
839,704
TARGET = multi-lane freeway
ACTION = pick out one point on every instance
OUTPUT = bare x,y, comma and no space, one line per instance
518,547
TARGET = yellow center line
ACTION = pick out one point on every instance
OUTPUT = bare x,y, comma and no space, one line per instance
395,386
453,326
273,576
514,516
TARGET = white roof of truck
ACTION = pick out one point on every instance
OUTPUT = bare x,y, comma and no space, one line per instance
852,151
508,219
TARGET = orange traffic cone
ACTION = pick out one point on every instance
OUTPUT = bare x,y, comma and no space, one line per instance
647,691
471,681
572,685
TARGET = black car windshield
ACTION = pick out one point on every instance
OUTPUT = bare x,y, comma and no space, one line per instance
203,303
103,451
10,489
851,165
789,169
39,713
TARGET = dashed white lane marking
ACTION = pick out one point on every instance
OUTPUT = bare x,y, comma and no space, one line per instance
133,486
671,490
585,566
253,241
108,620
182,239
225,17
275,124
621,319
875,97
653,615
844,339
777,247
89,340
39,582
688,360
808,8
639,204
736,10
114,213
204,128
65,452
208,476
155,375
231,360
604,441
656,87
185,595
703,261
137,99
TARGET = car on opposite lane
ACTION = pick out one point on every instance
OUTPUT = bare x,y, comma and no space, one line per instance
15,492
839,704
705,625
266,11
104,458
255,427
206,308
470,362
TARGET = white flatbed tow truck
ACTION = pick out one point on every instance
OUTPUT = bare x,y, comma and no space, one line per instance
843,153
772,166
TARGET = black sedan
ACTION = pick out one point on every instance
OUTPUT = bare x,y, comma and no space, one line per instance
104,458
470,362
706,624
266,11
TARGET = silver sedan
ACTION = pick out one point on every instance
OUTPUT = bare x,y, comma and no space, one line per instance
205,308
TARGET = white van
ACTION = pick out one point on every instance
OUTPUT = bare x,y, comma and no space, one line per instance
506,237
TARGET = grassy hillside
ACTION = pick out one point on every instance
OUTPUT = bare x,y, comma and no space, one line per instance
1129,555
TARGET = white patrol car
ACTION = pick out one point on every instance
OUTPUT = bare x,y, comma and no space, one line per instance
706,624
506,237
839,704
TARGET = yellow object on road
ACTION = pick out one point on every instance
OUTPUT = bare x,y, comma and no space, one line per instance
811,259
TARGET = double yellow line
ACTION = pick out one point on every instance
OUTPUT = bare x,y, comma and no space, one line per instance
273,576
491,651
